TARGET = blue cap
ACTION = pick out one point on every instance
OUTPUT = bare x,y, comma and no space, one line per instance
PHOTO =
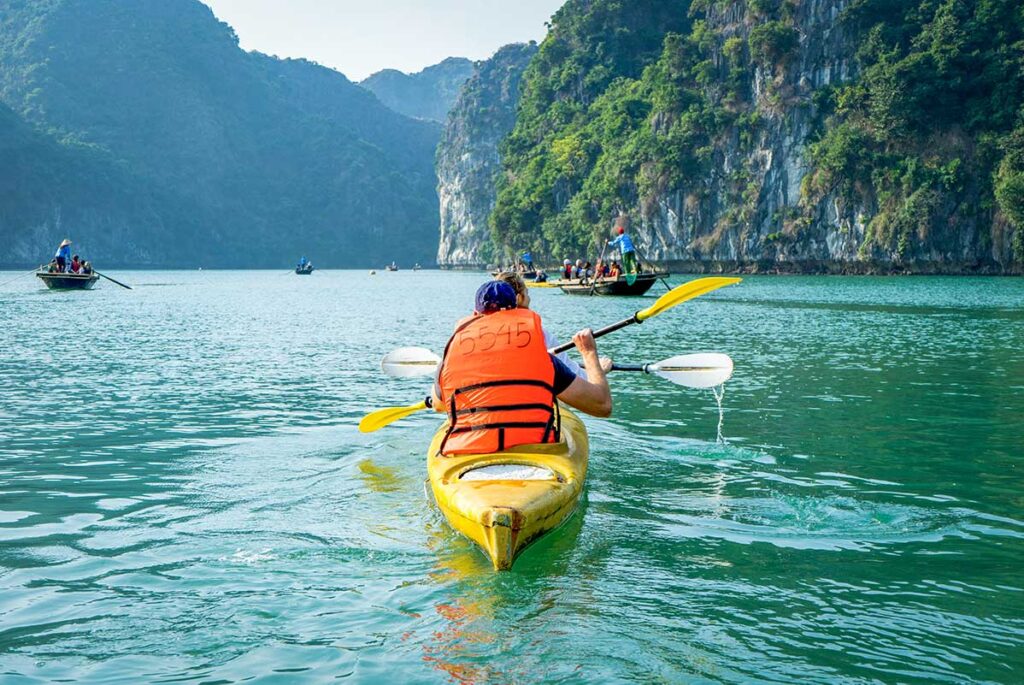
493,296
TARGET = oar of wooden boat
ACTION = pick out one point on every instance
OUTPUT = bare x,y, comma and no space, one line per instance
593,279
12,280
111,279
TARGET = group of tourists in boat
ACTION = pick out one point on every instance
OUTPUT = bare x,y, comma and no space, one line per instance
304,267
64,262
67,271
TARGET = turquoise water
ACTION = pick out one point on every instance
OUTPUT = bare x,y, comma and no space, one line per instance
184,496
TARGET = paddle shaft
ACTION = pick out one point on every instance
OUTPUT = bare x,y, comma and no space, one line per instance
112,280
598,333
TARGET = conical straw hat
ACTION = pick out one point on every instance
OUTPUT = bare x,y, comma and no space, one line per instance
66,242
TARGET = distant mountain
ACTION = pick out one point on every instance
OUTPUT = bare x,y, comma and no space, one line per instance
142,131
428,94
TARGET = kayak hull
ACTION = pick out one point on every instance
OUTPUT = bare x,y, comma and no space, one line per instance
504,514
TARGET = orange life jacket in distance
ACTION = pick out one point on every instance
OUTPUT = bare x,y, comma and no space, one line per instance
497,383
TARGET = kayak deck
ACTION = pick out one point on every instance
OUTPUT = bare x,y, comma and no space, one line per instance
506,500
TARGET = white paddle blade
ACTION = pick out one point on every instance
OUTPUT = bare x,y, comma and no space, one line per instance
410,362
701,370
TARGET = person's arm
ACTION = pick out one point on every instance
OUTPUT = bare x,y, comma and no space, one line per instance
591,396
550,342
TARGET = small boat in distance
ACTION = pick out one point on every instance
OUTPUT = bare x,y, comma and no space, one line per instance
68,281
304,267
392,267
614,286
416,266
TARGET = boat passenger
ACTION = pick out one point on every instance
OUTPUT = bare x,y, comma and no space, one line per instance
566,269
87,268
625,245
76,265
523,302
498,382
615,271
53,267
63,255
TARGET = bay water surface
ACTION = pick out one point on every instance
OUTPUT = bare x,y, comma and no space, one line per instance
184,495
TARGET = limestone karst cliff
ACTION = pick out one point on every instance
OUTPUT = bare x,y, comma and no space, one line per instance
467,156
812,135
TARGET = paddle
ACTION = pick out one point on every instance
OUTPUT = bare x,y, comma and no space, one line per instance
701,370
111,279
687,291
676,296
382,417
409,362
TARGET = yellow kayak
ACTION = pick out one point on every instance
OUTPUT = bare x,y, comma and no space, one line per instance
506,500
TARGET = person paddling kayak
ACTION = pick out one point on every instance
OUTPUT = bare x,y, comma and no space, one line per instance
499,384
523,301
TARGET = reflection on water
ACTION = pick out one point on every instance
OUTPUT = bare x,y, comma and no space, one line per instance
184,494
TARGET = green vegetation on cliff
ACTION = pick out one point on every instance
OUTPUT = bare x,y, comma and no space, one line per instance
935,117
909,111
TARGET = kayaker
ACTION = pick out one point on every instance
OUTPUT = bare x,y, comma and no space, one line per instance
63,255
498,382
625,245
523,302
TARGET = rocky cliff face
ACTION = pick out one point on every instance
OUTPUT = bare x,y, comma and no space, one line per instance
760,208
769,135
748,209
427,94
468,159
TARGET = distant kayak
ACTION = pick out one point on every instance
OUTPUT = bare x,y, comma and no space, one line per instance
506,500
304,271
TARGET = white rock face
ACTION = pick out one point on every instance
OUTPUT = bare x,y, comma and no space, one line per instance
468,159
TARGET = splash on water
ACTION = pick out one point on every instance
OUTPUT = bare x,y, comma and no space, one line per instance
719,392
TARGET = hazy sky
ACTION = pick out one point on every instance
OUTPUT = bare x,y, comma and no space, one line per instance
359,37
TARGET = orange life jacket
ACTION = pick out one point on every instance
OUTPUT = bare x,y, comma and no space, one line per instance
497,383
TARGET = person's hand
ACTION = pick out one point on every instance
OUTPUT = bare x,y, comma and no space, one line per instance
584,341
606,364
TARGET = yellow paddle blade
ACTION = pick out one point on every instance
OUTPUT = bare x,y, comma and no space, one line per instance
376,420
684,292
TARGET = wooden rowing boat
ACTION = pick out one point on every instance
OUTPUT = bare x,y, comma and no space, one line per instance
68,281
613,286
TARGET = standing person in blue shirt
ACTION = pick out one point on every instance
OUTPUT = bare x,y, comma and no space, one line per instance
625,245
63,255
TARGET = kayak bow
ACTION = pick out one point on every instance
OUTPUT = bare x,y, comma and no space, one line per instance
505,500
